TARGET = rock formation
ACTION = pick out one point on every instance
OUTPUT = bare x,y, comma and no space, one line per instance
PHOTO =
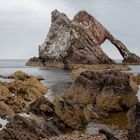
94,95
78,41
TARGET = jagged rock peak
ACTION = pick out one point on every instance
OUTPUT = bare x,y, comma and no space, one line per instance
56,15
83,16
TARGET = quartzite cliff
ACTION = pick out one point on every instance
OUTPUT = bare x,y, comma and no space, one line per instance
78,41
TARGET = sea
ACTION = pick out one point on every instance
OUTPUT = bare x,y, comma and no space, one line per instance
56,79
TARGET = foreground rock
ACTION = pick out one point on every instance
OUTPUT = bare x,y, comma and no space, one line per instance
78,41
134,123
94,95
15,95
28,128
20,128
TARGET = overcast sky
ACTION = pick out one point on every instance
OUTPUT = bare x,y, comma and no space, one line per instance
24,23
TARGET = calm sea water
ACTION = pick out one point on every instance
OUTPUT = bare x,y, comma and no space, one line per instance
56,79
50,74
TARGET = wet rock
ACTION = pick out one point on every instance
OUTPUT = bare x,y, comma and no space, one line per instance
42,106
134,123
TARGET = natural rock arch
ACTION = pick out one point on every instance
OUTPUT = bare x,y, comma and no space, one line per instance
111,51
97,30
78,41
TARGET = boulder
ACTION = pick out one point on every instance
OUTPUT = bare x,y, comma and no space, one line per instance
134,123
75,115
113,90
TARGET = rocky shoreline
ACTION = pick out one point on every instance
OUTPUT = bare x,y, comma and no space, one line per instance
103,94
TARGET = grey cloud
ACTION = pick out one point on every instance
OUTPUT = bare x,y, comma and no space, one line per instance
24,24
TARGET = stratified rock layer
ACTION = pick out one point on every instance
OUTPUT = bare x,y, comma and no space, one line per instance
78,41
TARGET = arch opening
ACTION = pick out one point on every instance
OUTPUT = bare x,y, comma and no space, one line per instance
112,51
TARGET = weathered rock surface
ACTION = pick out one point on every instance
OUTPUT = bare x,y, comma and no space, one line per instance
114,90
134,123
78,41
